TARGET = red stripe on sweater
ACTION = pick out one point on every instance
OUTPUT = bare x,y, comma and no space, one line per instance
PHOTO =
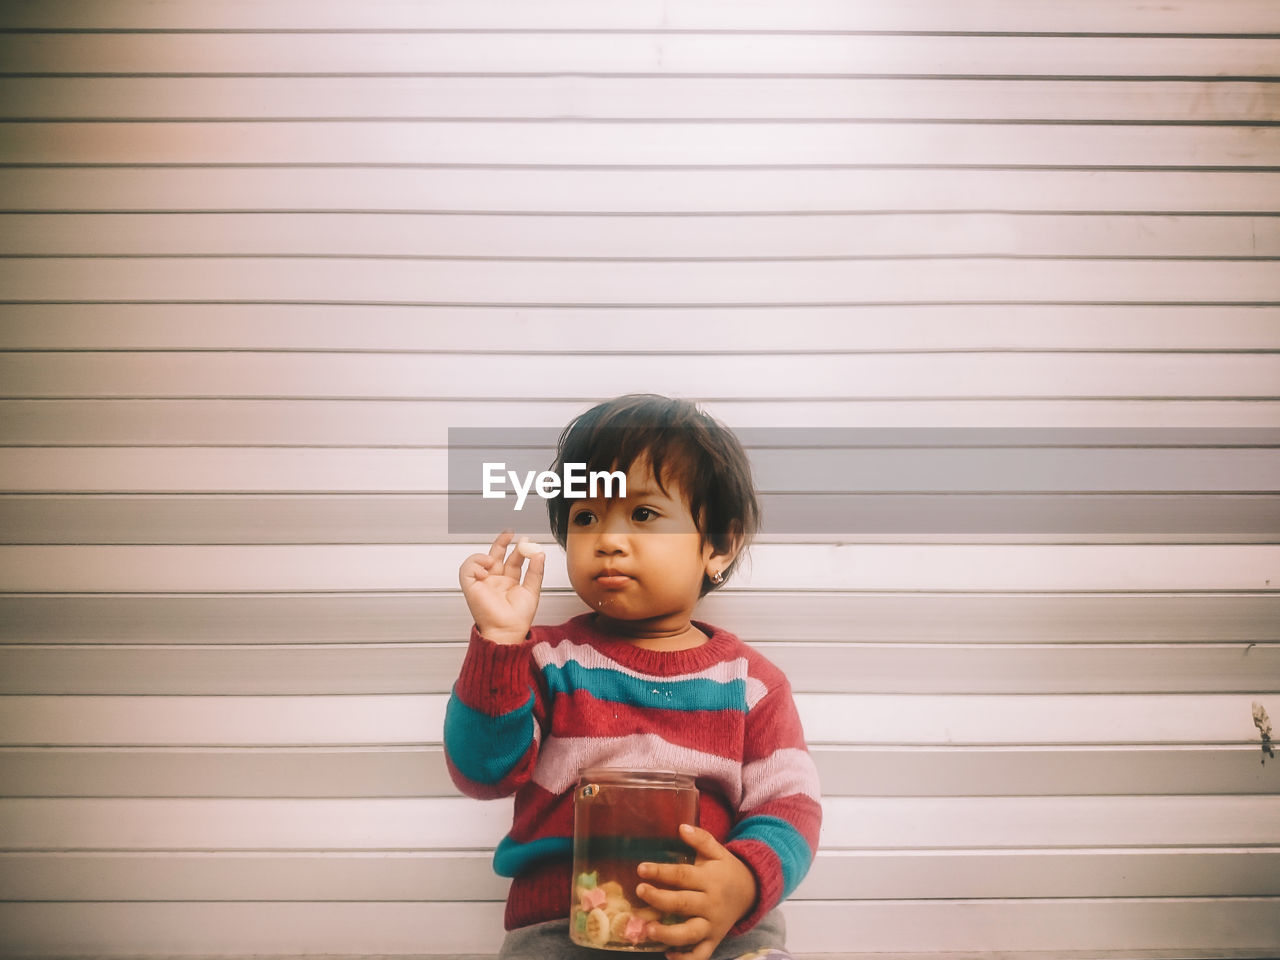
579,714
766,866
540,813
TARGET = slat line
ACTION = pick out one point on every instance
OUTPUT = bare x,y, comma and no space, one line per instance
451,593
1263,538
645,168
943,212
623,31
634,75
339,853
679,306
777,647
440,853
673,353
822,258
960,746
977,445
833,398
742,591
436,749
596,120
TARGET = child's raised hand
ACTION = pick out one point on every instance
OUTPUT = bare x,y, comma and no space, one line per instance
500,604
714,892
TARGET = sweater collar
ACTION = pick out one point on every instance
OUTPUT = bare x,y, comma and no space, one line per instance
720,642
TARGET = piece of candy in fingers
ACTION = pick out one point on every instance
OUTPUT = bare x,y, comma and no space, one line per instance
528,549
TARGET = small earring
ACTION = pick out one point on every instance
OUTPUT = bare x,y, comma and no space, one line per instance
718,577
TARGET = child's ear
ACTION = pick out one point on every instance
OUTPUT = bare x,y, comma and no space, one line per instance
725,547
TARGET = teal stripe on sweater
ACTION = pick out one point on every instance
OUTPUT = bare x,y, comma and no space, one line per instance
485,748
785,840
698,693
512,858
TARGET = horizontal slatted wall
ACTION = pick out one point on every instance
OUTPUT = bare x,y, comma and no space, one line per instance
256,259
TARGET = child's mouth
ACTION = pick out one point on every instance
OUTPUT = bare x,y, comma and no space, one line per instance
613,581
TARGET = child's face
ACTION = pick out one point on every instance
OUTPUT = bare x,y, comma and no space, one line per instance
638,561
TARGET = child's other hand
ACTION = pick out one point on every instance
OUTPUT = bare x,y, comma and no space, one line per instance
714,892
500,604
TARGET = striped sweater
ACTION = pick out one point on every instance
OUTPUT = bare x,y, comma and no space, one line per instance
525,719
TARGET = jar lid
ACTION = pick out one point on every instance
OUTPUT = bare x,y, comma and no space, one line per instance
628,776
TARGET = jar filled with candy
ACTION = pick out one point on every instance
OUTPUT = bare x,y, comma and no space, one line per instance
622,818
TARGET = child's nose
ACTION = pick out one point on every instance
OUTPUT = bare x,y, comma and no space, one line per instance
611,537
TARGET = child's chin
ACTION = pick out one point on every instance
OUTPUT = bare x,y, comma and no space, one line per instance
613,607
617,611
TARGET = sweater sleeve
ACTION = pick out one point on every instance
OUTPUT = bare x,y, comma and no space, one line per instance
491,723
776,833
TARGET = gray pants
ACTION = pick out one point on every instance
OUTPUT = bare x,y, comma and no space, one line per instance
550,941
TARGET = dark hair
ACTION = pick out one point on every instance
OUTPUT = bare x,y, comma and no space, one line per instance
682,444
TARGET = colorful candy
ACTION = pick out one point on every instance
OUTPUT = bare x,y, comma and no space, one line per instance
591,898
598,927
603,917
634,929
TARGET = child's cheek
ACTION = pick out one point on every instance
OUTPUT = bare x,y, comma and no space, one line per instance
579,578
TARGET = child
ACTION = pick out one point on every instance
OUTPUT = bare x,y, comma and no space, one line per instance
637,683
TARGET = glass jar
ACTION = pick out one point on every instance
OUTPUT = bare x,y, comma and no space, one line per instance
622,818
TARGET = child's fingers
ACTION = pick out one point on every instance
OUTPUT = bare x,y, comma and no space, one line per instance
534,574
515,560
680,875
703,842
511,566
685,902
475,567
693,930
499,548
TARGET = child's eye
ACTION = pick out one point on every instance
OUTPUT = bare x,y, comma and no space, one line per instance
582,518
641,514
